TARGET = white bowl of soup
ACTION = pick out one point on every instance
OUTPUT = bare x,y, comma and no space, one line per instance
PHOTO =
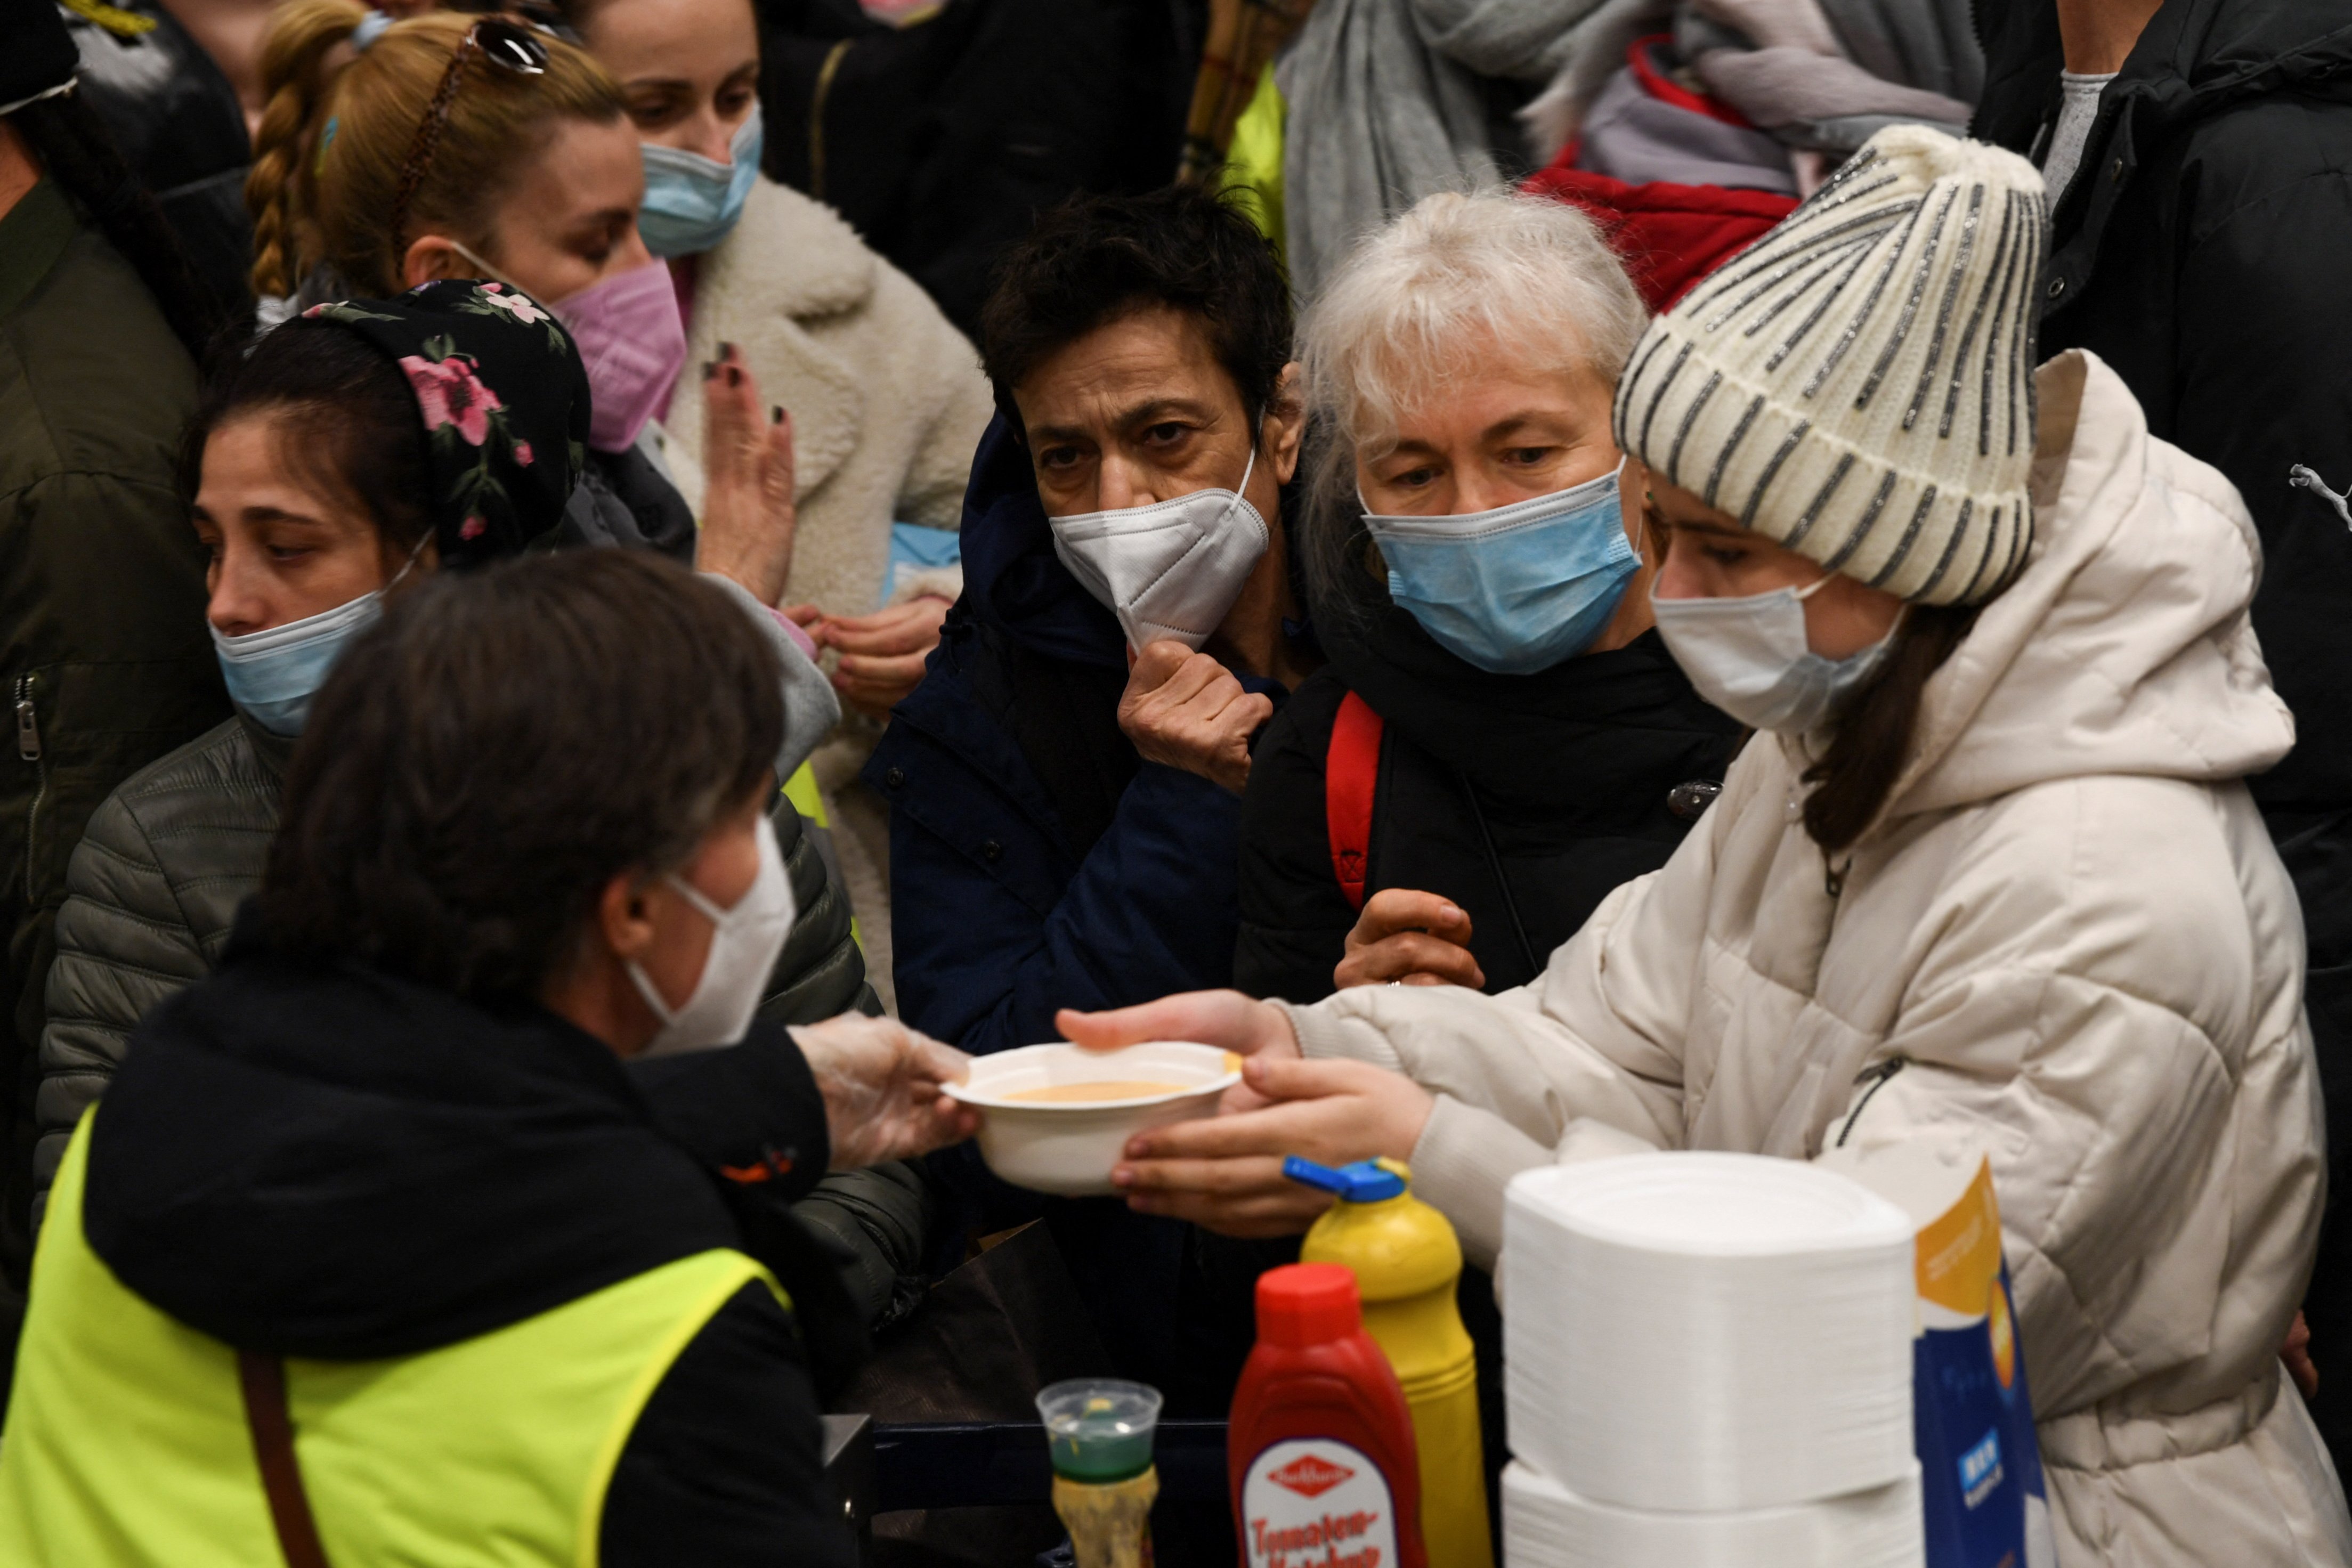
1057,1118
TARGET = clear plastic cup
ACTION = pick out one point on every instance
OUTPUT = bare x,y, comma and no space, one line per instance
1099,1428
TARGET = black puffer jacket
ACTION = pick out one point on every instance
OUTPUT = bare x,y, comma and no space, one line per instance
153,889
2202,253
1524,799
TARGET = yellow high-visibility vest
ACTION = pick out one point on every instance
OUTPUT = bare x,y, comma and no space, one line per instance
126,1441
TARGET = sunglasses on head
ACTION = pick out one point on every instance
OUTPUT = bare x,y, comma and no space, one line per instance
499,41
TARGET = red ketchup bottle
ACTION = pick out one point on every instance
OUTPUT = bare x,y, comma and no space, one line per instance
1320,1453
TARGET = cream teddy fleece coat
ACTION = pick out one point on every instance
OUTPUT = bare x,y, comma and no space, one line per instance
2066,938
886,398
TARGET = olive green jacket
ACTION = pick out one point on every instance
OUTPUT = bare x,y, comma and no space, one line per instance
103,651
156,886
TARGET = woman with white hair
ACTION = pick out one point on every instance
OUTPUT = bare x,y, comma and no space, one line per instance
1989,881
1500,737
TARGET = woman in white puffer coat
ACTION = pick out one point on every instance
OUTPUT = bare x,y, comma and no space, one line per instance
1987,878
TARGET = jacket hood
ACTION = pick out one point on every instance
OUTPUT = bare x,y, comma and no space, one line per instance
2126,646
2200,56
330,1162
2198,60
1012,577
1557,744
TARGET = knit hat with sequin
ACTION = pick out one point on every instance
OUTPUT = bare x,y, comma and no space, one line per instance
1859,384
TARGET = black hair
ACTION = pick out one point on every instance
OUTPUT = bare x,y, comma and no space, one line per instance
359,433
78,152
1093,259
498,748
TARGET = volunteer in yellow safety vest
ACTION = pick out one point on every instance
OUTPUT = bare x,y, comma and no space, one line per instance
430,1230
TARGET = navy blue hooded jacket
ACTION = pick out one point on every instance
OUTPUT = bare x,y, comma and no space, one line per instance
1037,861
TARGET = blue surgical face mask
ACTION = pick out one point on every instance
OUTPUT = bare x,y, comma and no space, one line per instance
273,674
691,204
1517,588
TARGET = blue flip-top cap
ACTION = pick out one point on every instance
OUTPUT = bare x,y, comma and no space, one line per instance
1366,1181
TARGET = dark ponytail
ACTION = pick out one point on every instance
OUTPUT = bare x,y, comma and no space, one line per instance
78,152
1873,737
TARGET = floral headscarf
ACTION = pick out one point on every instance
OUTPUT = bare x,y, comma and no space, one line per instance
505,404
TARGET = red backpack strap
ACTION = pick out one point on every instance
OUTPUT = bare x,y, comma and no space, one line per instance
1351,774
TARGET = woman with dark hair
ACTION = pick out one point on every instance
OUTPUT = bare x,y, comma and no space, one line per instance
420,1225
102,653
350,455
444,145
1987,882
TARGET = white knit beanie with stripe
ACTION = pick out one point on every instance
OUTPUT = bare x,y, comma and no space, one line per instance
1859,384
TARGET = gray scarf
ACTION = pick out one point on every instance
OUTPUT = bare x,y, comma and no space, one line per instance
1391,100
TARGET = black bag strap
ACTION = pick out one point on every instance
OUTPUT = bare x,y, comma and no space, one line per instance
1502,879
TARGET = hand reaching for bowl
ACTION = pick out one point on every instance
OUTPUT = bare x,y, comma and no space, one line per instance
1227,1020
882,1084
1226,1171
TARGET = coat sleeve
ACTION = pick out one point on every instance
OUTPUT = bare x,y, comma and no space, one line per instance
1149,912
1294,919
124,944
812,707
1584,1061
724,1468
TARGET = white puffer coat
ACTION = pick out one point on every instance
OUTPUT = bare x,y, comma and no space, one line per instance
2070,929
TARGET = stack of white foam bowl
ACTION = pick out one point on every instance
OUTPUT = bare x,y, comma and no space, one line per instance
1707,1359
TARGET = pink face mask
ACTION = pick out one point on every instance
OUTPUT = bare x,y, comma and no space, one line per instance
633,341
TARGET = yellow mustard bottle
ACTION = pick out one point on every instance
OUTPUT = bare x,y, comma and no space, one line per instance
1406,1261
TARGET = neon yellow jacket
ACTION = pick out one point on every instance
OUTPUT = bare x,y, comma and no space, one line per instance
126,1441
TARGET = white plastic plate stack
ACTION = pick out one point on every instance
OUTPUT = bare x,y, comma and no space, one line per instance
1545,1523
1707,1359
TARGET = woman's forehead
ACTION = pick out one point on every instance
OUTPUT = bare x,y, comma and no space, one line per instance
1488,399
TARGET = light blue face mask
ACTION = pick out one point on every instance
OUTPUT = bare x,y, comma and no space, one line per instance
691,204
1517,588
273,674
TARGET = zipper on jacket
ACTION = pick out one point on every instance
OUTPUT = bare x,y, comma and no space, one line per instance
28,748
1833,875
1502,881
1875,1077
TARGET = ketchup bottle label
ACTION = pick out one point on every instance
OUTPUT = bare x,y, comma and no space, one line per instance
1317,1502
